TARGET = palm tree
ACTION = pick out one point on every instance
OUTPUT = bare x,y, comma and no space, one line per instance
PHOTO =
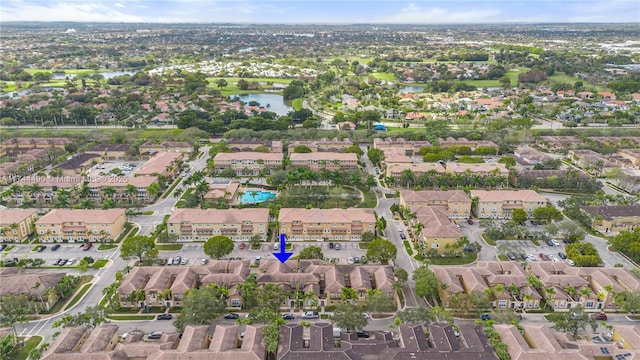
571,291
108,191
131,192
240,193
407,178
254,194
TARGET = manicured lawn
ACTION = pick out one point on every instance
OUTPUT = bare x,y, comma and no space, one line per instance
169,247
407,246
323,197
564,78
453,260
385,76
107,246
363,246
131,317
147,213
503,257
78,296
29,345
406,130
68,71
296,104
9,248
99,264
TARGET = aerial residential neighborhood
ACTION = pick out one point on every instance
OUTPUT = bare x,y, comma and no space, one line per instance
179,187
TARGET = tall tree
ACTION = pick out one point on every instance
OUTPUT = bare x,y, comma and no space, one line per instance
379,302
218,246
381,250
427,283
349,317
311,252
15,310
202,306
141,247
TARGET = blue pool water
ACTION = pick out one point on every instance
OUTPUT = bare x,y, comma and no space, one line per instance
261,196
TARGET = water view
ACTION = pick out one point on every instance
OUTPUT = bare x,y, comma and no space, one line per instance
411,89
276,102
260,196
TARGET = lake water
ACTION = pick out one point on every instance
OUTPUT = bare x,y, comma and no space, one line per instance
276,102
27,91
411,89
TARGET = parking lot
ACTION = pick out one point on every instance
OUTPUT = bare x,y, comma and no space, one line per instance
194,252
106,167
523,247
66,251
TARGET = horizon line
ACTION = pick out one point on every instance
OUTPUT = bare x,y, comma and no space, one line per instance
319,23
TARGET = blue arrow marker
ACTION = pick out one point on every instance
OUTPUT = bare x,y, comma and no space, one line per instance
282,255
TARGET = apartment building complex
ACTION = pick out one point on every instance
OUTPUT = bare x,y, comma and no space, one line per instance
122,188
16,224
200,225
612,218
326,224
247,163
81,225
499,204
456,202
325,160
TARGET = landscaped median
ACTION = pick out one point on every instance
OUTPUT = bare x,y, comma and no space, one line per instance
78,296
130,317
30,344
407,246
449,260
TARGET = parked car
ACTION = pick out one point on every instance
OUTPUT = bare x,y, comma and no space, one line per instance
366,316
570,262
231,316
550,243
350,260
562,255
184,261
310,315
400,228
242,246
469,221
3,246
403,236
71,261
257,261
164,317
276,246
55,247
336,246
155,334
330,245
555,242
288,316
543,257
176,260
58,262
41,248
170,261
363,259
522,223
552,257
511,256
485,317
600,316
534,223
205,261
62,262
87,246
362,334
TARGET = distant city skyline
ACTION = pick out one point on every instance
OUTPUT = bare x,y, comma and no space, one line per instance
323,12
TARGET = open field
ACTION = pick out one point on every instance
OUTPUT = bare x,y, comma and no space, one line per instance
385,76
296,104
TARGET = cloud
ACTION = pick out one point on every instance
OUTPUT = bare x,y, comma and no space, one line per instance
415,14
120,5
64,11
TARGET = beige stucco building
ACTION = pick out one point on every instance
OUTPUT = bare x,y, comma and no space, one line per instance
326,224
15,224
200,225
66,225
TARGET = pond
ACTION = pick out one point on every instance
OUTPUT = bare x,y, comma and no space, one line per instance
276,102
411,89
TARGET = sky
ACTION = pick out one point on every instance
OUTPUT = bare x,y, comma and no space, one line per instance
323,12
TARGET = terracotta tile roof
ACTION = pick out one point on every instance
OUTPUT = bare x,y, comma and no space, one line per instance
327,156
411,196
58,216
215,216
158,164
239,156
436,222
610,212
510,195
24,283
476,168
121,181
15,216
326,215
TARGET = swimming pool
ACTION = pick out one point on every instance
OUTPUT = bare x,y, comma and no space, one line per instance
260,196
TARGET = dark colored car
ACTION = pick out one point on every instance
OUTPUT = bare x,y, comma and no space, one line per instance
550,243
600,316
58,261
485,317
87,246
330,245
164,317
3,246
403,236
55,247
356,260
469,221
511,256
41,248
231,316
562,255
288,316
362,334
522,223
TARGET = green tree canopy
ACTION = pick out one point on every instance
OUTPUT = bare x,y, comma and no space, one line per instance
573,321
311,252
375,155
427,283
546,214
519,215
349,317
379,302
381,250
141,247
218,246
202,306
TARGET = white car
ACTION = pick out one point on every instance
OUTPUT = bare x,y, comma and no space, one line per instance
366,316
350,259
400,228
552,257
71,261
184,261
570,262
555,242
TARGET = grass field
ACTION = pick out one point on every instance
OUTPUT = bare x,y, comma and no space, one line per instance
564,78
99,264
296,104
512,74
68,71
400,130
107,246
29,345
78,296
385,76
169,247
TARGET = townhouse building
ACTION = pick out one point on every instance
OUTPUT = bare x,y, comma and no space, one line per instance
499,204
67,225
322,145
200,225
162,163
437,231
456,202
614,218
16,224
166,146
44,189
122,188
483,170
247,163
78,164
37,287
109,152
196,342
25,163
326,224
395,170
323,284
325,160
21,144
248,145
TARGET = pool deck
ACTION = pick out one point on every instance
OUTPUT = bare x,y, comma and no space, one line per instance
236,200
